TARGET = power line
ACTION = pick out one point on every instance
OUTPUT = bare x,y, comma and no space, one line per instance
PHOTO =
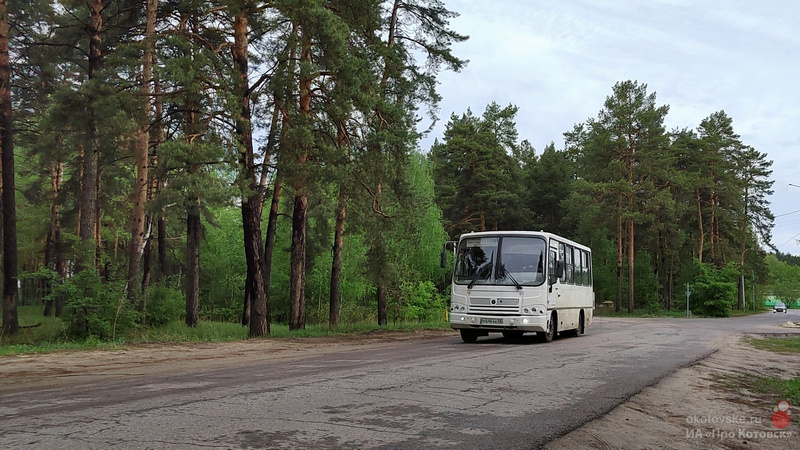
786,214
790,240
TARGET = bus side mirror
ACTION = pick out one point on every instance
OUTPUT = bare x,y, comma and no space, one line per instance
557,273
448,246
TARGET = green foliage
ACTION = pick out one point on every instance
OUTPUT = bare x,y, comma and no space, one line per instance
222,267
37,331
177,331
95,309
784,280
478,182
714,290
421,301
646,284
638,313
361,135
548,181
164,305
604,270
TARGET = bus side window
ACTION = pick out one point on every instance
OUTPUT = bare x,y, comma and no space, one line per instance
589,268
570,267
585,268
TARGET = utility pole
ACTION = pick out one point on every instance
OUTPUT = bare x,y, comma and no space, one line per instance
688,293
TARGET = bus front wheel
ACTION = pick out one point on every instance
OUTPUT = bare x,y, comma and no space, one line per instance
469,336
552,329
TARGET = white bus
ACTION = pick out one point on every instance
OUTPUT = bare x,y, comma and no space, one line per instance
512,282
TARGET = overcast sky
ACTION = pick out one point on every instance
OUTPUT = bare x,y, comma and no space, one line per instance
558,61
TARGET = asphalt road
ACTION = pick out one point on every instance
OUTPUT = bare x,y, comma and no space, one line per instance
437,393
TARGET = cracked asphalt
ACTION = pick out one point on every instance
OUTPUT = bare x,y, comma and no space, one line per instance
427,393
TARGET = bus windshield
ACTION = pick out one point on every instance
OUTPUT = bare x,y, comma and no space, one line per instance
500,260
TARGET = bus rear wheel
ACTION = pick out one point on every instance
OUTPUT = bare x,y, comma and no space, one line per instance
469,336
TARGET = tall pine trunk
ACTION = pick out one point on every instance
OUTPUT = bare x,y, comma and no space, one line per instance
631,255
251,204
90,167
193,262
743,249
700,231
336,266
618,303
142,158
52,247
712,237
272,228
154,219
9,304
300,212
383,317
298,264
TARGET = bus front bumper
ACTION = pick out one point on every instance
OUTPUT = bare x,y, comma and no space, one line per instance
498,324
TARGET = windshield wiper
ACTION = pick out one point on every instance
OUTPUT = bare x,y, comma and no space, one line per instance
504,271
485,269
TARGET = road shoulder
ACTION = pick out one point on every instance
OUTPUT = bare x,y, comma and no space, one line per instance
695,408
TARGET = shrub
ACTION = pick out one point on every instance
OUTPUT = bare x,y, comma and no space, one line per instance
714,290
420,300
164,305
95,309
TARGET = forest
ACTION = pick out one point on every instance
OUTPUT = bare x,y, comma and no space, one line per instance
260,163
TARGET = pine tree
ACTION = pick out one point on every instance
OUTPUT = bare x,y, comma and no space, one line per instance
9,209
620,153
478,179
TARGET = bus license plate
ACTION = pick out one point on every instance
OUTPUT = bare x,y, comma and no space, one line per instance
491,321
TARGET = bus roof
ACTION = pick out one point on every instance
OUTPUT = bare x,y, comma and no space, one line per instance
544,234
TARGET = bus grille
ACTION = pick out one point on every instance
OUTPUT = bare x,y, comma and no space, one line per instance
494,305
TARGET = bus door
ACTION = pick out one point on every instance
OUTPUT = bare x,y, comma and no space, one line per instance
553,275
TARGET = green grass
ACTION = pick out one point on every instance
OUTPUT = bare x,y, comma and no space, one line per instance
776,344
673,313
637,313
35,328
777,388
762,390
221,331
767,387
50,335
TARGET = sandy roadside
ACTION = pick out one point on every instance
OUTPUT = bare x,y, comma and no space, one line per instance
64,368
704,406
